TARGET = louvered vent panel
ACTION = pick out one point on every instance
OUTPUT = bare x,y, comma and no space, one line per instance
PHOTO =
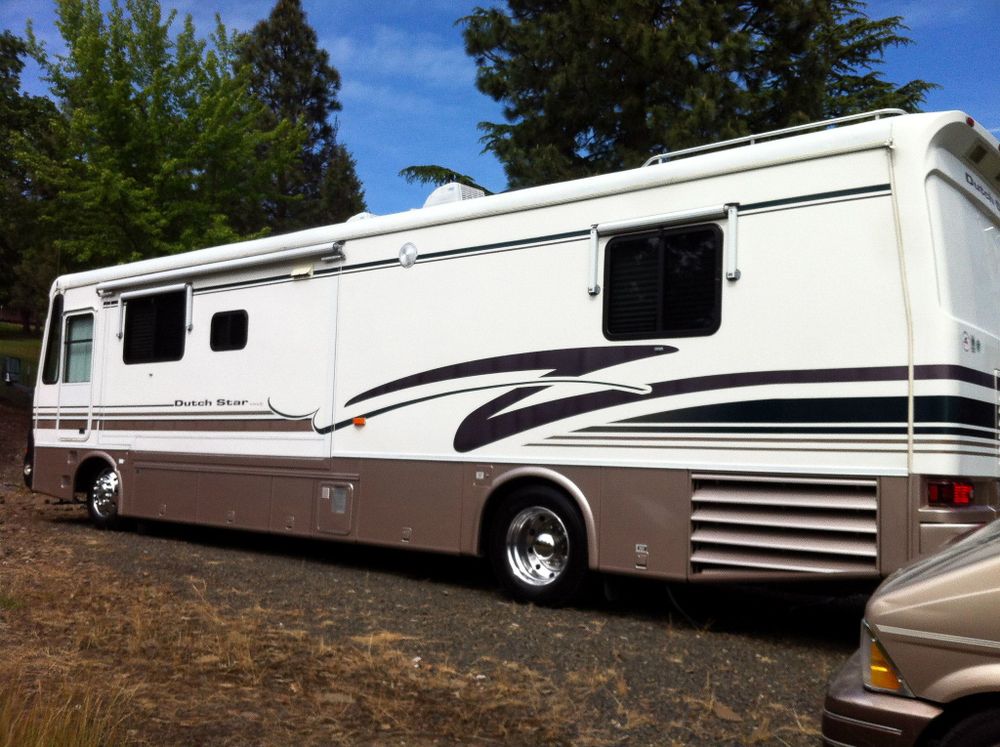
760,525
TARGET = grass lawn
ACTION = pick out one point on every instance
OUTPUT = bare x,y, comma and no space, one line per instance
16,344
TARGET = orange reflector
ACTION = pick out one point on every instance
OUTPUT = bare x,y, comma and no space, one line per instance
358,421
882,674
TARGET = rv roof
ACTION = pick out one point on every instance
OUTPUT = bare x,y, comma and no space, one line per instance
784,132
864,135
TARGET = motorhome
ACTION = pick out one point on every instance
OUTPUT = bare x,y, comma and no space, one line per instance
774,357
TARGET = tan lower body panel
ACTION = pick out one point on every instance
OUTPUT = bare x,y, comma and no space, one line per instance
643,521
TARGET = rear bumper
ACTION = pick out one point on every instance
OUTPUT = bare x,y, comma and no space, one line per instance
855,717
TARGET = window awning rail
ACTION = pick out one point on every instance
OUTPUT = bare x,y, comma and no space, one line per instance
327,252
728,211
188,303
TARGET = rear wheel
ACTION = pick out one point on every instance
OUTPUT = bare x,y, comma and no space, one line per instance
538,546
102,500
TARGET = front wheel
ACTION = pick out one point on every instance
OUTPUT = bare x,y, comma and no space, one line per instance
102,500
538,546
979,730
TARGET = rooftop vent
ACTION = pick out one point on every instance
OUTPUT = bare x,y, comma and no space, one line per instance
452,192
361,216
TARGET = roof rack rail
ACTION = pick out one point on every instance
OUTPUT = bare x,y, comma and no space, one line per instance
752,139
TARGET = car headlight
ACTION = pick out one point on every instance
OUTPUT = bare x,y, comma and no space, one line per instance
877,670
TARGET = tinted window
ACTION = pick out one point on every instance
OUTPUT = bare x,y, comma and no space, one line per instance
154,328
50,368
79,348
229,330
663,284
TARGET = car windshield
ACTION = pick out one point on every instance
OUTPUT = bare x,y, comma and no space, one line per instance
980,545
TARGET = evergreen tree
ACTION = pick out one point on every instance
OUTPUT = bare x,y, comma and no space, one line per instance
160,144
12,50
26,254
293,77
439,175
591,86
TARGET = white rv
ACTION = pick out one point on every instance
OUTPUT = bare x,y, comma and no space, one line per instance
769,358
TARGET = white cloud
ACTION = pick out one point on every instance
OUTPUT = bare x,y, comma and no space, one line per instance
241,16
397,54
393,100
919,13
342,49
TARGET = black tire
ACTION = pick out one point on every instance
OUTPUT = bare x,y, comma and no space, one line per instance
978,730
102,499
537,545
28,466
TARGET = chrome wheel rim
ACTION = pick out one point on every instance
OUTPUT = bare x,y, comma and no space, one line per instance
104,494
537,546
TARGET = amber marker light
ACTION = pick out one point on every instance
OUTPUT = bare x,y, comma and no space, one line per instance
359,421
878,671
882,675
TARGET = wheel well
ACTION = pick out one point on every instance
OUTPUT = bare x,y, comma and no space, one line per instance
957,711
87,471
498,496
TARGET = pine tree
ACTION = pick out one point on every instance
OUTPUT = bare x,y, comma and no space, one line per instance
293,77
438,175
591,86
26,253
12,179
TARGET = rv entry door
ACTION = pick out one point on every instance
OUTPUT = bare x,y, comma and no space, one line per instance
74,407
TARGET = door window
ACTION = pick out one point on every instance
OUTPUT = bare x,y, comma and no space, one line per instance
79,348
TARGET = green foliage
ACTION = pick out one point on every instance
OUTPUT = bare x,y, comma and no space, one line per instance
8,603
438,175
16,343
23,118
590,86
158,148
293,78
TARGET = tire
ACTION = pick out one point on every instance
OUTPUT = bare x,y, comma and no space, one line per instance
538,546
978,730
102,499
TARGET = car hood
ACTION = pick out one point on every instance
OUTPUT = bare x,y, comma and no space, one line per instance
938,620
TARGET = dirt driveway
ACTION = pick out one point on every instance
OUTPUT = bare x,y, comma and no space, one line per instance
181,636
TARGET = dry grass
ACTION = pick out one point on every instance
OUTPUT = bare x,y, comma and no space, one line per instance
41,715
171,664
107,658
93,654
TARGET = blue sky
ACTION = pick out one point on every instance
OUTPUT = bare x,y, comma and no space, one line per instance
409,93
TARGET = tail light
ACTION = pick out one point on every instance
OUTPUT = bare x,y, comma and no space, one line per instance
950,493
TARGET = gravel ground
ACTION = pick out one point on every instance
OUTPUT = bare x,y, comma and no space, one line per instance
636,663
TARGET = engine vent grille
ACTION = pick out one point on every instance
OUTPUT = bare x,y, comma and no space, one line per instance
766,525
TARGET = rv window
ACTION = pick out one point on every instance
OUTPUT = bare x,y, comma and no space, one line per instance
229,331
154,328
79,348
664,283
50,370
